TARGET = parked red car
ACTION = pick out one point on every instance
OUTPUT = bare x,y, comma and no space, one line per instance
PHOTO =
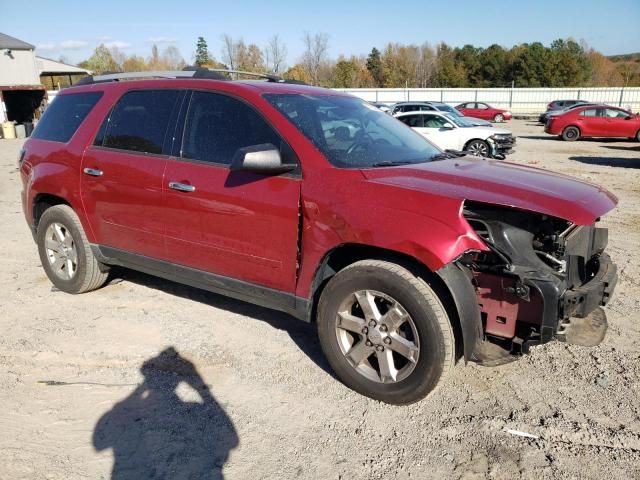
594,121
315,203
484,111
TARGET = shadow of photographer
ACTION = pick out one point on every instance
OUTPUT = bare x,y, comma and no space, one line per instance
156,434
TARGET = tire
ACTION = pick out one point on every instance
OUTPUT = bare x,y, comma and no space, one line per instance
499,118
416,325
65,252
571,134
479,148
638,136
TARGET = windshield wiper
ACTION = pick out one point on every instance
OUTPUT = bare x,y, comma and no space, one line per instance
390,163
443,156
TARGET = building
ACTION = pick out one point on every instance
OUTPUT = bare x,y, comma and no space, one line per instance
21,92
56,75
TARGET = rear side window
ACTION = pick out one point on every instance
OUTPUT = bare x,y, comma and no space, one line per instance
217,126
64,115
591,112
139,121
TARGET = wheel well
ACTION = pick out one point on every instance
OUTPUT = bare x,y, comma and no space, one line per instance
42,202
347,254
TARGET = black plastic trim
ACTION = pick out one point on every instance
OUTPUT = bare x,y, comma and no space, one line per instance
231,287
458,280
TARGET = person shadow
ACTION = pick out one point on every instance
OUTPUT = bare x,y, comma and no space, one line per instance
155,434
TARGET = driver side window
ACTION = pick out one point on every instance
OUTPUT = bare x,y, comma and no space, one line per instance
434,121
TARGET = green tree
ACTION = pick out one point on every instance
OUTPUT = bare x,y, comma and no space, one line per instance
569,64
100,61
375,67
202,52
450,73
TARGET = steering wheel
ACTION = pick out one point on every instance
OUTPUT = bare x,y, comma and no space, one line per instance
366,140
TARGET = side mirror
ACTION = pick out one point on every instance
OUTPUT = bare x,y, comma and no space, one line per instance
447,126
264,158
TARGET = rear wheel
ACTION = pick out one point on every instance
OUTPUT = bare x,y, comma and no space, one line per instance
499,118
638,136
385,332
570,134
65,252
479,148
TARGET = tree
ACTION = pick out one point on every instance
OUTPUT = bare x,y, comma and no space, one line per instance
134,63
297,72
374,65
450,73
229,52
100,62
569,64
275,54
172,58
202,52
315,54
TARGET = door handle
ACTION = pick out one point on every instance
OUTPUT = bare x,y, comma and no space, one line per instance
94,172
182,187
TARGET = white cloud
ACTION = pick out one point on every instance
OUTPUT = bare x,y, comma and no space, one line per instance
161,40
73,44
117,44
104,38
46,47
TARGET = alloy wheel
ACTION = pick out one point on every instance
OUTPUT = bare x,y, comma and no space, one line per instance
479,149
377,336
61,251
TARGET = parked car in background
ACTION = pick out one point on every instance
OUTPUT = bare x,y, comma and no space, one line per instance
386,108
560,106
484,111
454,133
403,107
594,121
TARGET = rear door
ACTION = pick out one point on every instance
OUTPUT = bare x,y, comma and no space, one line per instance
123,170
591,122
235,224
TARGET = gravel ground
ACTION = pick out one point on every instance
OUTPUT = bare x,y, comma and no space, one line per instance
84,395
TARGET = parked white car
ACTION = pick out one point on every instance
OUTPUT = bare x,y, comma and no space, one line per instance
454,133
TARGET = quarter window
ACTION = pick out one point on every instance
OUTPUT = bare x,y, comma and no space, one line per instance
64,115
217,126
140,120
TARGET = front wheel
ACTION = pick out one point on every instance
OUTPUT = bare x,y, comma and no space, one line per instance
385,332
570,134
499,118
479,148
638,136
65,252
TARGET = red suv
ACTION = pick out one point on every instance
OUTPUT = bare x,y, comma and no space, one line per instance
318,204
594,121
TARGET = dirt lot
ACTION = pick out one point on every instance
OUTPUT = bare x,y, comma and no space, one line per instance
75,394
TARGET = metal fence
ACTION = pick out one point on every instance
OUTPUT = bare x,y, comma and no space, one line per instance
517,100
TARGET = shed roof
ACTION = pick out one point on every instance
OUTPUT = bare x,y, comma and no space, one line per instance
7,41
46,66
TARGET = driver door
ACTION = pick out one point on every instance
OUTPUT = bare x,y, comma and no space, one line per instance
440,131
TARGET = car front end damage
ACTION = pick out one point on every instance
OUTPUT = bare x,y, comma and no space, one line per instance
501,145
542,278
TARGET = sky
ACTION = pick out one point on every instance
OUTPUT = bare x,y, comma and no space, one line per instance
74,28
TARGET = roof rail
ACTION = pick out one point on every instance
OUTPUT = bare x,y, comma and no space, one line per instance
187,72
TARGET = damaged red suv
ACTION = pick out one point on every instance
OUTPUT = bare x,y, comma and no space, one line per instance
317,204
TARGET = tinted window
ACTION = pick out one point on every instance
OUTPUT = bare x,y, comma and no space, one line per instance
217,126
412,120
367,136
140,120
64,115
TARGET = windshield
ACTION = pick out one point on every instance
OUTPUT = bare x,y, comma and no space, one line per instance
459,121
350,133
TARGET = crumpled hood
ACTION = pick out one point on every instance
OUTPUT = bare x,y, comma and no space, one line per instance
502,183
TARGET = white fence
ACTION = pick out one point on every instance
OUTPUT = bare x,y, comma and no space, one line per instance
517,100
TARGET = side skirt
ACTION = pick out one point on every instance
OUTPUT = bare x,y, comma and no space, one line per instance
230,287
